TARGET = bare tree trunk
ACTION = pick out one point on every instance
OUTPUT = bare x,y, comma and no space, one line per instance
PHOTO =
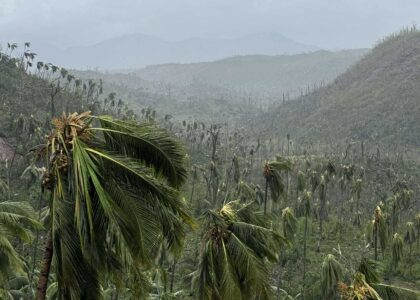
376,241
305,234
265,196
45,271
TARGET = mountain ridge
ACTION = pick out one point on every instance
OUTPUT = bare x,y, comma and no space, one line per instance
138,50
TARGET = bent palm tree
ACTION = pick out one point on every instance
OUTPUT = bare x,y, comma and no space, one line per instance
273,181
114,200
236,241
379,232
331,275
397,250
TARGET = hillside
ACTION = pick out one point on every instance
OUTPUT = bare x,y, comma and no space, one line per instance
232,87
137,50
378,100
259,73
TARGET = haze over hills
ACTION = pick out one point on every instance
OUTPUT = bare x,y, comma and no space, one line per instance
376,100
138,50
259,73
210,88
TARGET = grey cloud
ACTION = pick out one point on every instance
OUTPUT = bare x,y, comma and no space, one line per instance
327,23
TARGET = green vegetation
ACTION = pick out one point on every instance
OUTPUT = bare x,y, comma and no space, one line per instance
100,201
376,101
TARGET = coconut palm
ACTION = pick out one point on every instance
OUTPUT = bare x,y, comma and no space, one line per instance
289,226
114,201
300,187
273,180
16,221
357,190
331,275
417,220
397,249
410,239
235,243
358,290
289,223
371,269
399,201
379,232
306,199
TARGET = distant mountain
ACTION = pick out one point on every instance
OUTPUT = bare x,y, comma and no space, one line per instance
213,88
138,50
258,73
377,100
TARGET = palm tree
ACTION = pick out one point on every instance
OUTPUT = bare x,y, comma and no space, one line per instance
410,239
300,187
379,232
16,221
289,223
328,174
236,241
306,198
418,229
400,201
357,190
368,284
113,201
358,290
397,249
331,275
273,181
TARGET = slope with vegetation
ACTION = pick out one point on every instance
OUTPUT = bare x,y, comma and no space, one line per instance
235,86
377,100
259,73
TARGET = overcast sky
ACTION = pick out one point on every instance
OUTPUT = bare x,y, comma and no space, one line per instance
330,24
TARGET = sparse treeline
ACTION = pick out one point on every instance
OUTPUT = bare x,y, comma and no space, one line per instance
114,207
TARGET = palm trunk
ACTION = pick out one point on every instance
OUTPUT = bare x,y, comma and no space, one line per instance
305,233
394,221
45,270
265,196
376,241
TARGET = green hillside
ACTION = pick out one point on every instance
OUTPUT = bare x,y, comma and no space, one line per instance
378,99
259,73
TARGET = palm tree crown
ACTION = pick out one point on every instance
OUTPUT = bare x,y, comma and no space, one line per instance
114,200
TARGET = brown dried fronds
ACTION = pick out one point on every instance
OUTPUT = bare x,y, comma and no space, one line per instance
71,126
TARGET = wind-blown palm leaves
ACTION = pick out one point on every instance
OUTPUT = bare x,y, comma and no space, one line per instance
236,241
331,275
410,234
410,239
397,249
371,269
359,290
16,220
379,232
306,200
399,201
273,181
357,190
289,223
417,221
114,201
